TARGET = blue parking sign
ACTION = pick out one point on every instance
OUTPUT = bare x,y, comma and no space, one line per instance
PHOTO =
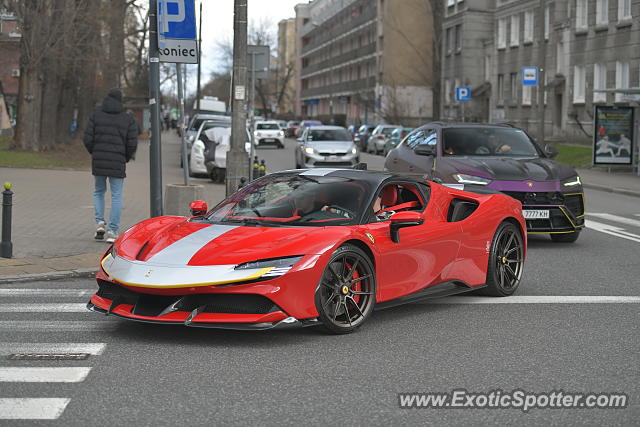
463,94
177,19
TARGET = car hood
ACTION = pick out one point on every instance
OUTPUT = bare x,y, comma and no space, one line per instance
180,242
505,169
330,146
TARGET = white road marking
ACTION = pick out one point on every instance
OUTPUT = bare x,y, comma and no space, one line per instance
32,408
43,375
7,348
57,326
22,292
616,218
612,230
44,308
539,299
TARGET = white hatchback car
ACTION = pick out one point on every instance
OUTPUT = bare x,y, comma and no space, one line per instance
268,132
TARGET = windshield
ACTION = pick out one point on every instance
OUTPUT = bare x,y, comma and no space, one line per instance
507,142
267,126
328,135
299,200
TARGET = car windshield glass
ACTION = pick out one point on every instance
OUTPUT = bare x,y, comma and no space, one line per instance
195,124
328,135
210,125
485,141
267,126
387,131
293,199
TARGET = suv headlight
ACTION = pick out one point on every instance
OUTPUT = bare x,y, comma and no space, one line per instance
309,150
572,182
470,179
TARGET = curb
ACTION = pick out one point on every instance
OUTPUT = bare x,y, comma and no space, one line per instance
80,272
624,191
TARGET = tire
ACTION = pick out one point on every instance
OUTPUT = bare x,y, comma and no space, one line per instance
343,305
565,237
503,273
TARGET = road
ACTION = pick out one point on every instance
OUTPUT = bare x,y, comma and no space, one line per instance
165,375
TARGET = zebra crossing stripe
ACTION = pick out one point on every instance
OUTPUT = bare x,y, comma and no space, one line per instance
43,374
32,408
7,348
44,308
616,218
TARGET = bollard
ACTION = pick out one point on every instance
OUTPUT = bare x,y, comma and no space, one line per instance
263,168
6,247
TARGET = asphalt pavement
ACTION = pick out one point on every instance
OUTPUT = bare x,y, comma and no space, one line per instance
546,338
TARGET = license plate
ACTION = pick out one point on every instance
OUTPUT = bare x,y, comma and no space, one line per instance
535,213
268,139
333,158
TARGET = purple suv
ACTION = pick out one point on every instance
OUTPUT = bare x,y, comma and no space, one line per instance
502,158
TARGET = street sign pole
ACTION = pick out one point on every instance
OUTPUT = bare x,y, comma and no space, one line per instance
252,96
542,51
155,159
183,142
237,159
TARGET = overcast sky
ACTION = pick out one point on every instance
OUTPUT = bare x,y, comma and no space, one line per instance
217,25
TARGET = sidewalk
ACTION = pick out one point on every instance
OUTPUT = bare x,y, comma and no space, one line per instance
53,222
627,183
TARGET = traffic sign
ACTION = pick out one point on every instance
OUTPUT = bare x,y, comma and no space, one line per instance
177,31
463,94
529,76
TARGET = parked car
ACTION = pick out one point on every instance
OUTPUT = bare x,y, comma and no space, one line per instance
503,158
206,134
378,138
268,132
194,127
282,124
394,139
352,129
305,124
329,146
362,136
292,126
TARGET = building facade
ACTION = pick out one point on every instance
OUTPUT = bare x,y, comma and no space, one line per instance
364,61
582,45
285,70
9,62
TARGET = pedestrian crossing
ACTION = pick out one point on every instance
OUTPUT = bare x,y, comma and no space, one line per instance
614,225
30,317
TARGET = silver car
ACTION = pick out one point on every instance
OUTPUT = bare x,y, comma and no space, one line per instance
376,141
326,146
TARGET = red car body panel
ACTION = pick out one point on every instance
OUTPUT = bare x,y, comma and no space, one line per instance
428,254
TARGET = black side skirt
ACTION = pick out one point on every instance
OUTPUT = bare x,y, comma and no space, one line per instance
439,290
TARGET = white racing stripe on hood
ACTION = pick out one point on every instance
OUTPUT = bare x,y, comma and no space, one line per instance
181,252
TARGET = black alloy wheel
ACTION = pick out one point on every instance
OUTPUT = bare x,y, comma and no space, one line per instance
506,261
345,296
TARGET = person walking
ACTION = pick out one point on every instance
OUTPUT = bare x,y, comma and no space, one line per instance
111,137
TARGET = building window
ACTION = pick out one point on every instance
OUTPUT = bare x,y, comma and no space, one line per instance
514,87
578,84
602,12
458,38
449,40
547,20
622,78
502,33
447,91
500,89
581,14
528,26
526,95
599,82
514,39
450,3
624,10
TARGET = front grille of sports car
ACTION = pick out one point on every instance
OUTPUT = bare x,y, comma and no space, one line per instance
153,305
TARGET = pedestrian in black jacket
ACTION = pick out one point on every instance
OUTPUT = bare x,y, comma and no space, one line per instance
111,136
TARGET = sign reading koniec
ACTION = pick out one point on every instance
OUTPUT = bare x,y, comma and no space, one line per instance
177,31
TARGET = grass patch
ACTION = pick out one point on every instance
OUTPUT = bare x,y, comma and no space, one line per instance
64,156
574,155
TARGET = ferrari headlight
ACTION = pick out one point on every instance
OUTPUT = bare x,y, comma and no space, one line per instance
309,150
470,179
572,182
276,263
111,251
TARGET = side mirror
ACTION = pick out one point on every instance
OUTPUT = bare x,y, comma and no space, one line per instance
425,150
401,220
550,151
198,207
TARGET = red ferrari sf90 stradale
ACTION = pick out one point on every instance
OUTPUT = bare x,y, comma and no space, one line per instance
307,247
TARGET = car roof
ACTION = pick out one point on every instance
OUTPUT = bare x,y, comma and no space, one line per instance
211,116
470,125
